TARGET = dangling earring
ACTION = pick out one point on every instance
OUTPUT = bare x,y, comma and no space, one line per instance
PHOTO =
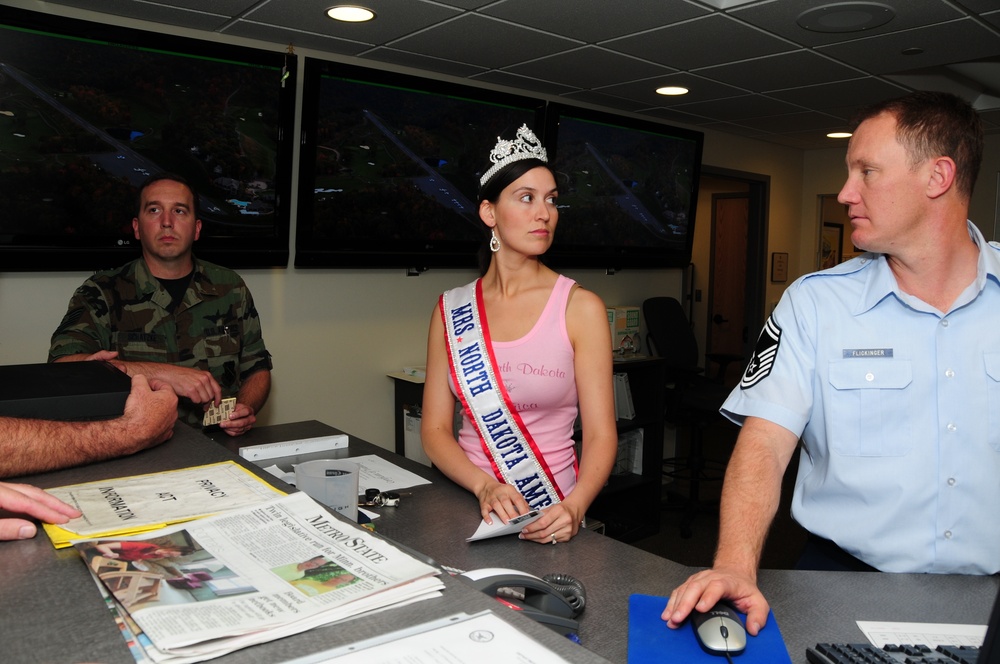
494,241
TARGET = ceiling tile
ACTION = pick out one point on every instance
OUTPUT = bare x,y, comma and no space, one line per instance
701,89
205,19
467,4
426,63
601,99
738,108
980,5
699,43
780,18
393,19
295,38
506,79
593,20
956,41
793,122
777,72
859,91
483,41
589,67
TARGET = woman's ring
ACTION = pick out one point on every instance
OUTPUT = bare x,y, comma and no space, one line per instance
553,536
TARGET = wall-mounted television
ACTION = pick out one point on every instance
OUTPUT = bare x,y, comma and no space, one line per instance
389,166
88,111
628,190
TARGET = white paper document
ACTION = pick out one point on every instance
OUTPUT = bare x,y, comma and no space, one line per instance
498,527
376,473
482,638
928,634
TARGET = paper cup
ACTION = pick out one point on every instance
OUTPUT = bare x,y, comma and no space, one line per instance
331,482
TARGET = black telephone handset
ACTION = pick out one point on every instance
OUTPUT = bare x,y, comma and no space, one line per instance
554,600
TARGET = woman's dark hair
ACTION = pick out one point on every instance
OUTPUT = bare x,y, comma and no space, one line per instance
491,192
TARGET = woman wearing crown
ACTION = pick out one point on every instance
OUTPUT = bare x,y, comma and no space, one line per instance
520,348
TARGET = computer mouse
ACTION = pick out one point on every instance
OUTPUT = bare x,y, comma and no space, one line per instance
719,630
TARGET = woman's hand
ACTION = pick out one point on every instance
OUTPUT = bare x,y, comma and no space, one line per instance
501,499
559,523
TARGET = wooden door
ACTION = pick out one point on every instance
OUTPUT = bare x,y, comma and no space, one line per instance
727,327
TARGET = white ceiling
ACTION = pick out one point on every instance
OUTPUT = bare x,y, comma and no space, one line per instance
751,68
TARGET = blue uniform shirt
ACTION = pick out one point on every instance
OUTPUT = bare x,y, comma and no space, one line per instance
898,409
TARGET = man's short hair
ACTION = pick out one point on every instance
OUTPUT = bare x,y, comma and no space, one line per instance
172,177
935,124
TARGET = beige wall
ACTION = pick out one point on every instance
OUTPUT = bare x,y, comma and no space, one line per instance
335,334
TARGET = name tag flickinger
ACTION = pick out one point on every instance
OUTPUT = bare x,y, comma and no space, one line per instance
867,352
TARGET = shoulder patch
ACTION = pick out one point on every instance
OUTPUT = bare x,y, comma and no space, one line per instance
763,355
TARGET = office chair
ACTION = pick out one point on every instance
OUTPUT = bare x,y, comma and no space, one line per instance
693,397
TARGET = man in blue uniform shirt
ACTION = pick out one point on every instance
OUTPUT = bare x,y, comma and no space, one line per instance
887,368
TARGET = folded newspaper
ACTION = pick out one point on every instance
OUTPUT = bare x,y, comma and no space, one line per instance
208,587
131,505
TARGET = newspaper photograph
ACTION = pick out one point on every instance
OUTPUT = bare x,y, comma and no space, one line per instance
221,583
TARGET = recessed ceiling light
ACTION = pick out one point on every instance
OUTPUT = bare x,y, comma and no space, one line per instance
350,13
846,17
671,90
839,134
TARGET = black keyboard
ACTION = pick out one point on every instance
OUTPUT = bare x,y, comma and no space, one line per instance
865,653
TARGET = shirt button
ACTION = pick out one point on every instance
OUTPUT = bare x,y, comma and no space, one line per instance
952,427
944,322
947,534
949,373
951,481
869,376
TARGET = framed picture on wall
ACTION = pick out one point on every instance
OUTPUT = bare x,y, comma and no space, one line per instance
779,267
832,243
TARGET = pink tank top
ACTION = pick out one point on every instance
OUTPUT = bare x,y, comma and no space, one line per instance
537,370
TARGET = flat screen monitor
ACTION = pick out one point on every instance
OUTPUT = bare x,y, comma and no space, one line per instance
628,190
89,111
390,166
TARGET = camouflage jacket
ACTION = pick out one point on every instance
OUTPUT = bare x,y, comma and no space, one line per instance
215,328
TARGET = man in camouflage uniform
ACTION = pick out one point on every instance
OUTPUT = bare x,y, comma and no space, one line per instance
173,317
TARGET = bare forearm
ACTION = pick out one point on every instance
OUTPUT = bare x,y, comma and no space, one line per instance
255,390
35,446
750,495
596,463
446,455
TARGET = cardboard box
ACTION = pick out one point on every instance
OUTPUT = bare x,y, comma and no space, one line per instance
624,321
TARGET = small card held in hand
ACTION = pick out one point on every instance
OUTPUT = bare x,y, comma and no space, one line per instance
216,414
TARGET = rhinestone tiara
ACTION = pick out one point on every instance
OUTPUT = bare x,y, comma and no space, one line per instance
525,146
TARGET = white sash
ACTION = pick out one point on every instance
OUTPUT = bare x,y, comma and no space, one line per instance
512,452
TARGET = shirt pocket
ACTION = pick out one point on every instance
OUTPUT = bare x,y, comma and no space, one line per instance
868,413
142,346
992,362
218,347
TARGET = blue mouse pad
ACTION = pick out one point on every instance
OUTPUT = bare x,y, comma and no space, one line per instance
650,640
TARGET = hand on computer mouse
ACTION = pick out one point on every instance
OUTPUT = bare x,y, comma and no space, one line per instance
719,630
